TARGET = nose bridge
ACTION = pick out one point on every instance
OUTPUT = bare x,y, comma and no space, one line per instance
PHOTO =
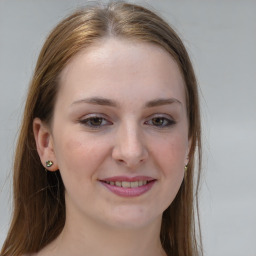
130,148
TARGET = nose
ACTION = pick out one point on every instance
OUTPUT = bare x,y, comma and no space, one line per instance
129,148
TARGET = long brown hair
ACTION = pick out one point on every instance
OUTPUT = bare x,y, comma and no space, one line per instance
39,205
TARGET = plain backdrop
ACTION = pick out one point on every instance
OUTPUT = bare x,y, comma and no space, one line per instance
220,36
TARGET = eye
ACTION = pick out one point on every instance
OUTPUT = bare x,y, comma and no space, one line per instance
95,122
160,122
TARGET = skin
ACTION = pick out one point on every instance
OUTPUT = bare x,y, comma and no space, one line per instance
136,135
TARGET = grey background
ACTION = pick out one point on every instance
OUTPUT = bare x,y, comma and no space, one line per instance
221,38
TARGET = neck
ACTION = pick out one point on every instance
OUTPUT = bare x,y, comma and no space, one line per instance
88,238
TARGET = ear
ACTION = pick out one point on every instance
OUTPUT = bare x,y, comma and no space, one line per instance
44,144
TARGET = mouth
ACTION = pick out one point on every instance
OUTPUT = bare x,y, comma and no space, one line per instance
127,184
129,187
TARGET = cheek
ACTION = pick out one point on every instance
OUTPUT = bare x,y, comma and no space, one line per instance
173,163
171,154
79,155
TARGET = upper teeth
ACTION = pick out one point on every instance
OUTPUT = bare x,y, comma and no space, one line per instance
127,184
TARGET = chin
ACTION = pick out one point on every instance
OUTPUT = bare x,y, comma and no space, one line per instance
133,218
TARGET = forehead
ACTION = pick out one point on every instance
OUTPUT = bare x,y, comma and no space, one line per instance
117,67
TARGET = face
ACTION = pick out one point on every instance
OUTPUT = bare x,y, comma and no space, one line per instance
119,134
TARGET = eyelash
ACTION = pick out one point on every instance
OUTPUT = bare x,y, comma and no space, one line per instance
88,122
164,122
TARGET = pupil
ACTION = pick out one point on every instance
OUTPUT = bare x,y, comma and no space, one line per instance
158,121
96,121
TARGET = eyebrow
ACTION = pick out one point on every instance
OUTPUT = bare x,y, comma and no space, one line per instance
111,103
97,101
161,102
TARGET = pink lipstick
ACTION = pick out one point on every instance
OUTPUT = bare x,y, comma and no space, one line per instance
128,186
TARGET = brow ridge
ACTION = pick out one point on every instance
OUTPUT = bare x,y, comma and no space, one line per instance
98,101
107,102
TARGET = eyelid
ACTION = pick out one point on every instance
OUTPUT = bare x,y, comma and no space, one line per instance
94,115
86,119
167,117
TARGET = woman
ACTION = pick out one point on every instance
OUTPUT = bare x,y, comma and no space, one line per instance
106,154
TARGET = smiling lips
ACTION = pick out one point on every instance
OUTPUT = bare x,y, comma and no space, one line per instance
129,187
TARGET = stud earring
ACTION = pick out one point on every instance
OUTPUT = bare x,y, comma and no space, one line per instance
186,167
49,163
